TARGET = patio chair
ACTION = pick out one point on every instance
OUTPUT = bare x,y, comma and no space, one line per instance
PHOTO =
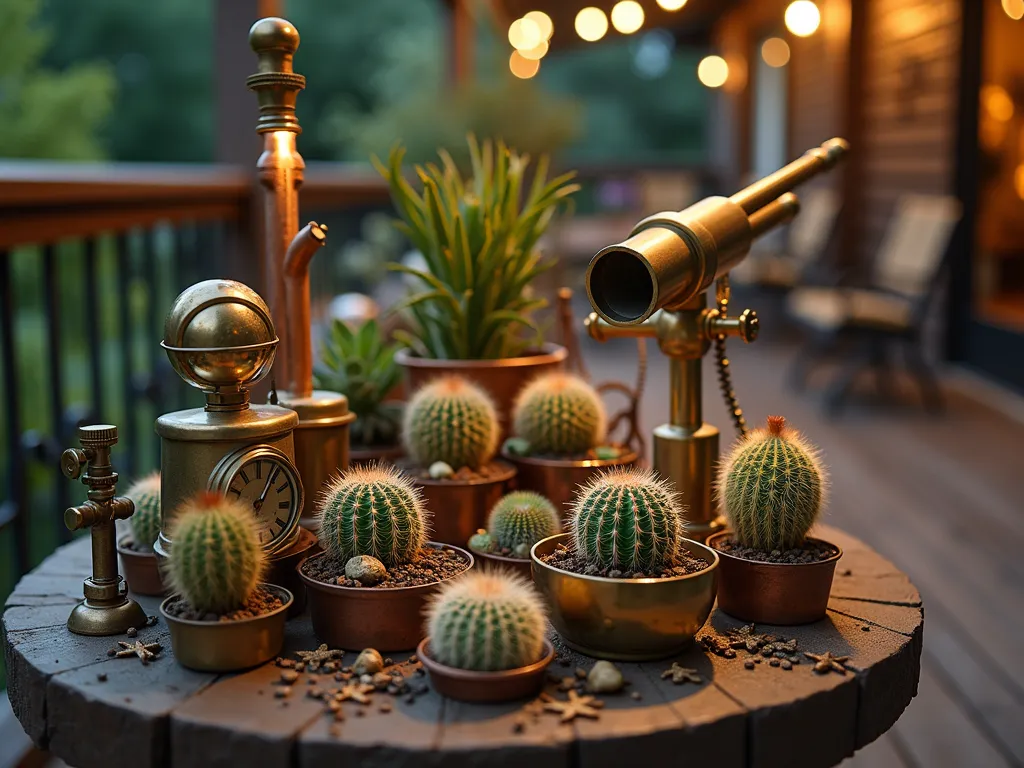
888,311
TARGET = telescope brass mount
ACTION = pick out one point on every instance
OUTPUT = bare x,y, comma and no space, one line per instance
654,284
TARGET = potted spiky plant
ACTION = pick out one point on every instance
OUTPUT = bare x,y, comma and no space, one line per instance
361,365
369,586
141,569
771,487
221,617
486,639
517,522
559,441
478,237
624,583
450,432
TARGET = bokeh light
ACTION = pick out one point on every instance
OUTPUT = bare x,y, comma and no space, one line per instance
675,5
713,71
1014,9
545,25
1018,181
997,102
802,18
591,24
627,16
775,51
524,34
522,67
536,54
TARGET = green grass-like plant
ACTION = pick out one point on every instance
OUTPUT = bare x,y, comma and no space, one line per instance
361,365
479,238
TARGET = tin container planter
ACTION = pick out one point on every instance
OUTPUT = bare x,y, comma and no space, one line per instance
626,619
353,618
501,378
774,593
141,570
486,687
559,479
460,508
283,569
228,646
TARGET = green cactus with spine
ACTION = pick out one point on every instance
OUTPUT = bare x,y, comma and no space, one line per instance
216,560
522,517
486,623
771,487
145,521
627,519
373,510
559,413
451,420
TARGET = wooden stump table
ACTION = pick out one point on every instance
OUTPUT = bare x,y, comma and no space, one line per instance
93,710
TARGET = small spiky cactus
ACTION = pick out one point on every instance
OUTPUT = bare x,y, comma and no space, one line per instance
771,487
627,519
145,522
486,622
451,420
217,559
559,413
373,510
522,517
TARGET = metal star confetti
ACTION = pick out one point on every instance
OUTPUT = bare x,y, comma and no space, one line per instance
356,692
747,637
320,655
680,674
146,652
827,662
576,706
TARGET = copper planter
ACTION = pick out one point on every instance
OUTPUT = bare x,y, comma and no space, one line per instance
353,618
774,593
283,569
228,646
486,687
141,571
559,479
626,619
492,562
501,378
460,508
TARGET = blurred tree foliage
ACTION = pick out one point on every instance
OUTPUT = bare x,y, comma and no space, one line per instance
48,113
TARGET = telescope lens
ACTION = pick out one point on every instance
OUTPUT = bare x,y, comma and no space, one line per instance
620,286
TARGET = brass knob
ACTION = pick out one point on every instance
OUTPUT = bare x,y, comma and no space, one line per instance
746,326
97,435
275,41
749,325
83,516
121,508
72,461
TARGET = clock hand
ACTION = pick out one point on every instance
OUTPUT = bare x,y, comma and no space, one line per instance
258,504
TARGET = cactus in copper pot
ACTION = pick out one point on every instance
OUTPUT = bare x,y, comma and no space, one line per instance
486,623
627,519
145,521
559,413
217,559
771,487
522,517
453,421
373,510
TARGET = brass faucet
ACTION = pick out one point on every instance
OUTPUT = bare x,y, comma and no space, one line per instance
654,285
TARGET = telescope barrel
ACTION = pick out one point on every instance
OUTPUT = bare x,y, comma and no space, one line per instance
774,214
814,161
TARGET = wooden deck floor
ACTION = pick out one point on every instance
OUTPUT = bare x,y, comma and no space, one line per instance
943,498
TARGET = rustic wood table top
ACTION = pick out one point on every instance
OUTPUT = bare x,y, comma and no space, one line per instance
93,710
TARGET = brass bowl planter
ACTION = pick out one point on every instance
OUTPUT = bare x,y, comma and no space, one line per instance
228,646
502,378
460,508
774,593
559,479
386,454
492,562
283,569
353,618
486,687
626,619
141,570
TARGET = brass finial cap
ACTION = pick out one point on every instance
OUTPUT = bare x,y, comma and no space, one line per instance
275,41
97,435
274,35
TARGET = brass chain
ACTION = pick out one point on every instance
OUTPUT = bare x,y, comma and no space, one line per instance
722,295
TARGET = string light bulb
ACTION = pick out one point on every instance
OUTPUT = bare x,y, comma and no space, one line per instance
544,23
627,16
591,24
675,5
524,34
802,18
775,52
522,67
713,71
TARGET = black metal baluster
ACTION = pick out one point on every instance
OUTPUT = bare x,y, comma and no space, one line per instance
52,305
156,380
124,280
14,509
92,331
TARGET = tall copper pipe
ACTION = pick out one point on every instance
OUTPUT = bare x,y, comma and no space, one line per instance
307,242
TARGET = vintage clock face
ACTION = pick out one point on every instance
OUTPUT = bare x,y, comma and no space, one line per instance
264,479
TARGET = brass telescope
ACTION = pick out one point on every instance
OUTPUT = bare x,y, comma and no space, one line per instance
654,283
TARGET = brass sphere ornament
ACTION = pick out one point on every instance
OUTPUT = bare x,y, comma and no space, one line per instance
220,338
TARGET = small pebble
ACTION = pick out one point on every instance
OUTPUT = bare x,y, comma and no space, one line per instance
366,679
388,661
749,664
635,695
795,659
286,663
786,664
314,693
385,707
410,699
567,683
518,725
865,628
312,680
581,673
112,652
339,715
381,681
757,660
439,470
132,632
360,712
283,692
368,662
289,676
151,621
846,572
101,677
605,677
413,659
773,662
563,661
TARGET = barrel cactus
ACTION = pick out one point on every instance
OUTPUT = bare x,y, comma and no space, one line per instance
451,420
217,559
373,510
522,517
561,414
627,519
771,487
486,623
145,522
